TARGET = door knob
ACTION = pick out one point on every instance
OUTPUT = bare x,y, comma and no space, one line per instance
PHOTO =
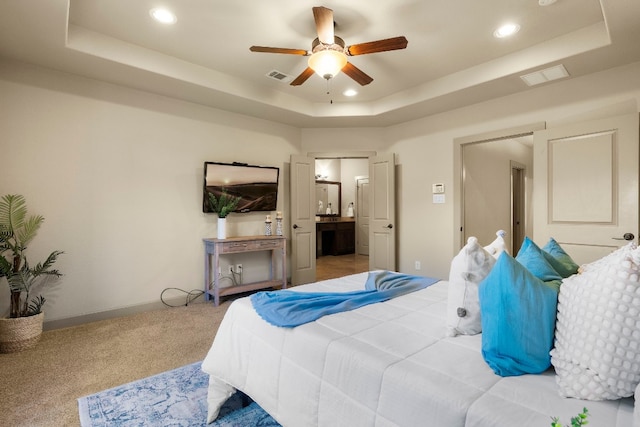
389,226
296,226
626,236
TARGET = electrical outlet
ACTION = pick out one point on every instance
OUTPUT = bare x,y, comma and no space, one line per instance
417,265
238,268
230,269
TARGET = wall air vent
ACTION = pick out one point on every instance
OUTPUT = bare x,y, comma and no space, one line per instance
277,75
546,75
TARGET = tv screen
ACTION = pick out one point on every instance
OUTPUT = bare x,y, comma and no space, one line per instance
257,186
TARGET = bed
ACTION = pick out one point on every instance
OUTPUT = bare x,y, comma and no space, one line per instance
384,364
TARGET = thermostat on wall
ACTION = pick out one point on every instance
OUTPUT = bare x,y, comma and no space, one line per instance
437,188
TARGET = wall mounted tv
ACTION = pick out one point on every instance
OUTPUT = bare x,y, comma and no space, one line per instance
257,186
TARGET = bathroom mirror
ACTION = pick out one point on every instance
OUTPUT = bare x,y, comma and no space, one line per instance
328,196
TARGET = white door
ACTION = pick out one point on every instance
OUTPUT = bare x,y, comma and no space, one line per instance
382,227
362,216
303,220
586,186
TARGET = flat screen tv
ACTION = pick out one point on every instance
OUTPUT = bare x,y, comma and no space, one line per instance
257,186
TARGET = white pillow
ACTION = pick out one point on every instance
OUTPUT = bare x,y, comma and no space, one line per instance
498,246
468,269
628,249
597,339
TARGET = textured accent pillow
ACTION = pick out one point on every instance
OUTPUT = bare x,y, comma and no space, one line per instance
535,260
615,256
559,259
468,268
597,342
498,246
518,319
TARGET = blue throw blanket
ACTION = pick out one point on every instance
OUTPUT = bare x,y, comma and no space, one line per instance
289,308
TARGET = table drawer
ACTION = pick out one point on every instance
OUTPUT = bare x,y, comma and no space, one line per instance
227,247
267,244
245,246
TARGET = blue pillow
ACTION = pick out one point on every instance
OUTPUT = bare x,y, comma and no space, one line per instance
533,258
562,262
518,313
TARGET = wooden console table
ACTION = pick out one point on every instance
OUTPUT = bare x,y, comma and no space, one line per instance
213,248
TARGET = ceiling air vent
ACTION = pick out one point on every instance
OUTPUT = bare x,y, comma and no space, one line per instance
277,75
546,75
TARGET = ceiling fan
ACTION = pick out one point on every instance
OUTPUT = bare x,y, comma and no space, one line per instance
328,54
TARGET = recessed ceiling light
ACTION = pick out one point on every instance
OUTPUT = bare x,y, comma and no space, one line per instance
350,92
506,30
164,16
546,2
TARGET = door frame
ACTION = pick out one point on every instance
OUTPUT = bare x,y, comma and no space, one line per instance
458,170
366,155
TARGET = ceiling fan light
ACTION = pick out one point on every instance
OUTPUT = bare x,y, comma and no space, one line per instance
327,63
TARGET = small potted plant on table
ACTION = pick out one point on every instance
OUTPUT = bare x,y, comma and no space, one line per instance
223,206
23,328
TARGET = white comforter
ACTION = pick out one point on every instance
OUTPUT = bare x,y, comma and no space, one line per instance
386,364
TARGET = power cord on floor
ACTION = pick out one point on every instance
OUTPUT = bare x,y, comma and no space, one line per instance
191,296
195,293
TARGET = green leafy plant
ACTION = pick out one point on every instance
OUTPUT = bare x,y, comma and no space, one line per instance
17,230
223,205
577,421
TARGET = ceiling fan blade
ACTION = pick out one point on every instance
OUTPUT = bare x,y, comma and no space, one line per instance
356,74
302,77
278,50
394,43
324,24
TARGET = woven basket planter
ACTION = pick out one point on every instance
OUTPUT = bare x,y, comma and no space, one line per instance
20,333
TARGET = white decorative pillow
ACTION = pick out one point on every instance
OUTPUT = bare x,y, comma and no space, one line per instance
597,339
498,246
468,269
615,256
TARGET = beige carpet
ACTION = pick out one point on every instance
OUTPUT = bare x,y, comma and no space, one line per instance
40,386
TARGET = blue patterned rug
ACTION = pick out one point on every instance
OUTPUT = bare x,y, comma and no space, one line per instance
172,398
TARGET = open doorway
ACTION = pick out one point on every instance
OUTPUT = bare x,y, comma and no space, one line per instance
344,228
382,231
496,174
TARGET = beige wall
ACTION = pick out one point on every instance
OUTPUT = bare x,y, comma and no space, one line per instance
117,173
424,148
426,153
